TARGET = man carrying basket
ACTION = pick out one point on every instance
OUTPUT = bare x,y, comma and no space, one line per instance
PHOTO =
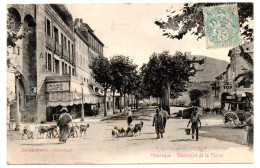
194,120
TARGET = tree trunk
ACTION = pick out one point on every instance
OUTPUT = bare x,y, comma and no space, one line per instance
137,103
167,98
113,102
120,102
124,102
105,101
130,100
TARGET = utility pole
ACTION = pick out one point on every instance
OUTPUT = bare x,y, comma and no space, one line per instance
82,101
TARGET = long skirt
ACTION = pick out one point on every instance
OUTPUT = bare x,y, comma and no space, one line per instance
129,120
64,133
250,136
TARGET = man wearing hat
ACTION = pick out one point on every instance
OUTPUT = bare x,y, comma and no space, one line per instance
64,124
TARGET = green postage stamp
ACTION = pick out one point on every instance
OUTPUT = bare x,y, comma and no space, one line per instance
221,26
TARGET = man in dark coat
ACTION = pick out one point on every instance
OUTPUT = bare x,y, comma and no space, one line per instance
165,117
64,125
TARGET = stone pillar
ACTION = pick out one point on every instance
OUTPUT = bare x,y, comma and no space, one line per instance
18,114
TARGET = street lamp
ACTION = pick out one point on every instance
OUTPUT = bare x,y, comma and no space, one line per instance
82,101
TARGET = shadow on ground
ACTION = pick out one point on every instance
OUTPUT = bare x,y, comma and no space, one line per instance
236,135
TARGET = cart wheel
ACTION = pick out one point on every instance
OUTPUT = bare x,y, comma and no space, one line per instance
231,119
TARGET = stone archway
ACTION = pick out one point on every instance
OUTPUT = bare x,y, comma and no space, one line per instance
13,19
29,53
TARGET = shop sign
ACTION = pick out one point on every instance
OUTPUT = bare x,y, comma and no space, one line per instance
57,87
227,86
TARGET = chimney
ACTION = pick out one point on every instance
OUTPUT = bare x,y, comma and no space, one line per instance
78,22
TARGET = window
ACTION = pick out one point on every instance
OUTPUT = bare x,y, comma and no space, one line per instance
48,27
62,40
73,72
69,47
57,66
69,70
56,34
46,61
66,69
65,42
49,62
63,72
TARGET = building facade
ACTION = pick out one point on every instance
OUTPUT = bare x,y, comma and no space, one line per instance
51,63
226,87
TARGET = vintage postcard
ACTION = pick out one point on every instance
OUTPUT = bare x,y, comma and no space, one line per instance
130,83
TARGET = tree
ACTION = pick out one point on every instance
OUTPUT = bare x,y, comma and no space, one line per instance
191,20
122,70
101,69
167,75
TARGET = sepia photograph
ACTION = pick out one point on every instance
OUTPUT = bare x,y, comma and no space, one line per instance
129,83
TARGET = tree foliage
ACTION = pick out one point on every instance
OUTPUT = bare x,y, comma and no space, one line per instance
101,69
123,72
245,78
164,69
191,20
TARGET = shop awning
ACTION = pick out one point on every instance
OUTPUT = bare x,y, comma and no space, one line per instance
68,99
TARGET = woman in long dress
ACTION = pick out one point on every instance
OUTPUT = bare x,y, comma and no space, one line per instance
158,123
64,125
250,132
130,117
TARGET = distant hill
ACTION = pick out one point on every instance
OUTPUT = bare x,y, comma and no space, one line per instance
211,68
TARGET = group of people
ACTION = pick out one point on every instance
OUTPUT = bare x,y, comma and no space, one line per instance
161,117
159,122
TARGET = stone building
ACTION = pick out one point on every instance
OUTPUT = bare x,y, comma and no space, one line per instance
234,97
88,46
45,62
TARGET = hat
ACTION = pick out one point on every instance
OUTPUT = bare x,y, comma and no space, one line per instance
64,109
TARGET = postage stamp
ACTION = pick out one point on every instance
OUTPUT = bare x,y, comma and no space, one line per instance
221,26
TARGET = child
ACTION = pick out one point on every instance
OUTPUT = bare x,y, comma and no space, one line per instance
194,120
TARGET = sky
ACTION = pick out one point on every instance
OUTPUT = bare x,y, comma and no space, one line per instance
129,29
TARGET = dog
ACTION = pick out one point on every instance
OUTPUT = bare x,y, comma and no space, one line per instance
139,127
73,130
115,133
130,131
83,129
42,130
28,130
52,131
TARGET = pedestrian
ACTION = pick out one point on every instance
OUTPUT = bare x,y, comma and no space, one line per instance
250,132
130,117
194,120
64,125
158,123
165,117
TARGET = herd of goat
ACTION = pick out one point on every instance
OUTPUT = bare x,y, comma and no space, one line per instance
127,131
52,131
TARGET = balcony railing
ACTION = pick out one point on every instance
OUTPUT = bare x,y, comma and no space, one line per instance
58,49
50,42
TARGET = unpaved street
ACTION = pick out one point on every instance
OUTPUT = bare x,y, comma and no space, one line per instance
215,144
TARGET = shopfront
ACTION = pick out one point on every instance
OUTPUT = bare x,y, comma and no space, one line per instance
66,91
